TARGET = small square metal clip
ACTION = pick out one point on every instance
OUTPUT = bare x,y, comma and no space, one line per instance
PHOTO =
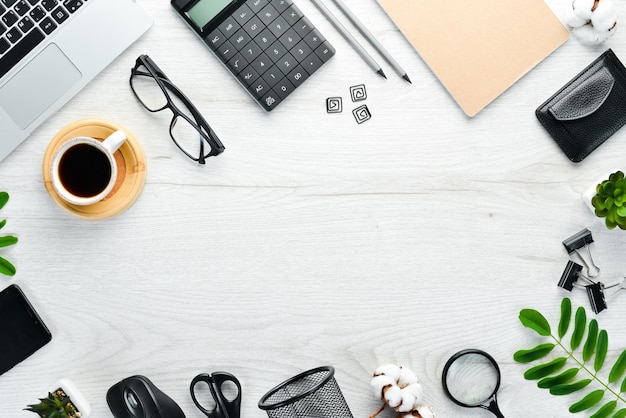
362,114
334,105
580,240
358,93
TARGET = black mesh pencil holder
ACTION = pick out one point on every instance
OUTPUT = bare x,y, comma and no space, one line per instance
312,394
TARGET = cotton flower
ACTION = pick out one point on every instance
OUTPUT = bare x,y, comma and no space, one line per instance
592,21
421,411
579,12
604,17
399,387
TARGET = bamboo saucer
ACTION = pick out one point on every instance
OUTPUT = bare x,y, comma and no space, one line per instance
131,163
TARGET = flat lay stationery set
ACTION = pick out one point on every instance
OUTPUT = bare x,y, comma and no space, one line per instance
95,169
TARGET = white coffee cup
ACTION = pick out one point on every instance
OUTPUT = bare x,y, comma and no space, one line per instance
83,169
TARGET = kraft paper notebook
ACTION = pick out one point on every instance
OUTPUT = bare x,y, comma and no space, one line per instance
478,48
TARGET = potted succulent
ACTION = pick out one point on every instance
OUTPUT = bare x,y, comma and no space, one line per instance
65,401
607,199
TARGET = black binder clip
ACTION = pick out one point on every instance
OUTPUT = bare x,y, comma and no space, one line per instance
577,241
595,292
597,297
570,276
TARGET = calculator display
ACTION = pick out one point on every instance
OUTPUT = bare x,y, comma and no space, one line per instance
205,10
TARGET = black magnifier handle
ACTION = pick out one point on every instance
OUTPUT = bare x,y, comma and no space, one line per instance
493,407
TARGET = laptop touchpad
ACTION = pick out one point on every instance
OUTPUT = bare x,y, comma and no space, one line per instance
38,85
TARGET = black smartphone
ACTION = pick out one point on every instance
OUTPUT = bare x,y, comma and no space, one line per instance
22,332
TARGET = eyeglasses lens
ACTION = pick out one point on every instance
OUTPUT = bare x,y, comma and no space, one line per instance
147,89
188,138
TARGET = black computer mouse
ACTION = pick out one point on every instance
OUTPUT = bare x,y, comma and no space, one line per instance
138,397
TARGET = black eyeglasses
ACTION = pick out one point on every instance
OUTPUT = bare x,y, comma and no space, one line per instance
188,129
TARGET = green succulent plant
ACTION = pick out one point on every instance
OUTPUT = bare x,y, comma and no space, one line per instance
55,405
610,201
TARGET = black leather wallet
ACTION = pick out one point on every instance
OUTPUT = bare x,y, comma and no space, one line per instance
589,109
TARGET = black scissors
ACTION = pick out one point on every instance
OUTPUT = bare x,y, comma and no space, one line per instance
225,406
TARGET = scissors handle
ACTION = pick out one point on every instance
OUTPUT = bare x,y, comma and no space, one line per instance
224,407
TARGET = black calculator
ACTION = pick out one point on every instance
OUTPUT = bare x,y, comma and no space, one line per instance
268,45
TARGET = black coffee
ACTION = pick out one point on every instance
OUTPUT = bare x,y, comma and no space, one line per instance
84,170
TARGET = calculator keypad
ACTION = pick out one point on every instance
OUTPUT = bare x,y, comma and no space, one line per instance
271,47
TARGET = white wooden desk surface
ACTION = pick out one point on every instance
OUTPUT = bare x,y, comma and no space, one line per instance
311,240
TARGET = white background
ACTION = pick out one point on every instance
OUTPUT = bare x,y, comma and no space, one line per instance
311,240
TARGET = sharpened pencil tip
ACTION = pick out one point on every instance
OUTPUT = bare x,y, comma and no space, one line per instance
381,73
406,77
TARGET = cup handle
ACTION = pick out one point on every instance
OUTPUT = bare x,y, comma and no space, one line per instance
114,141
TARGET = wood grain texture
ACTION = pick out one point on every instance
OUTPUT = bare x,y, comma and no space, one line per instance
311,240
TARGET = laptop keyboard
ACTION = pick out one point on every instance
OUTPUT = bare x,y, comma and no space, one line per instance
24,24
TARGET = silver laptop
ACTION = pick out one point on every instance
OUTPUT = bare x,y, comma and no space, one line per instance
50,49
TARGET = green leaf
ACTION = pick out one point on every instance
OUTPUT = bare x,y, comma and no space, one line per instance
8,240
566,316
623,387
598,203
545,369
592,339
580,323
609,202
605,410
560,379
618,368
526,356
587,402
617,176
3,223
610,223
566,389
601,349
532,319
4,198
620,414
6,267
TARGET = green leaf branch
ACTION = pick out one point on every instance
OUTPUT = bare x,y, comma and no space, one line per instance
6,267
584,362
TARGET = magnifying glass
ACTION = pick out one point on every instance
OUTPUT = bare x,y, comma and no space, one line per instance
471,378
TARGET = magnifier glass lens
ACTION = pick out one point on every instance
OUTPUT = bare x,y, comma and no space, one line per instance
472,379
